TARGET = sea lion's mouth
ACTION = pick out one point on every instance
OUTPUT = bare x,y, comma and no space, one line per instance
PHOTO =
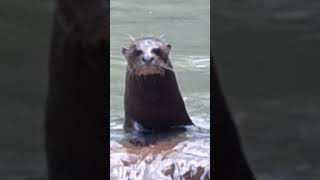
149,70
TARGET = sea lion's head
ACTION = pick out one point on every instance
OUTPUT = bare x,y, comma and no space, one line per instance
148,57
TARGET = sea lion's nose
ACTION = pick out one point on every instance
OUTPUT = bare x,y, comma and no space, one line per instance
147,60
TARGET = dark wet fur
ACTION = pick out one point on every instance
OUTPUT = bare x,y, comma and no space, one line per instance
147,100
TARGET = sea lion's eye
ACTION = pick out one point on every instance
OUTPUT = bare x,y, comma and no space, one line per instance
156,51
137,52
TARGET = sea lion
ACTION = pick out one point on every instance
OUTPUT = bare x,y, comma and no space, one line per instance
76,141
152,99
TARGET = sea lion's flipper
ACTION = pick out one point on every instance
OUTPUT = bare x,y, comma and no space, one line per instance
131,125
136,133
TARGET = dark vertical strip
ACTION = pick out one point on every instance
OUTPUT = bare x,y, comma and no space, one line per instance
228,159
229,162
76,114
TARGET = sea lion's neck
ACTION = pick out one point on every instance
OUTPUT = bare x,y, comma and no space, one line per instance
152,88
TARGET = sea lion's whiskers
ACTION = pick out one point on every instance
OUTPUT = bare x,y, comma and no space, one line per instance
166,67
161,37
131,38
130,74
130,69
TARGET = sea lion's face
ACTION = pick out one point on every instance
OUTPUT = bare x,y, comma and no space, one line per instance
148,57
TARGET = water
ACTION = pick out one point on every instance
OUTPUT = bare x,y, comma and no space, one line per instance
186,28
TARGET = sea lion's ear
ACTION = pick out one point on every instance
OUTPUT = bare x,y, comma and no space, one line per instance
169,47
124,51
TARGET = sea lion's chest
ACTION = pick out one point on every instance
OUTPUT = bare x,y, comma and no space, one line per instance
152,103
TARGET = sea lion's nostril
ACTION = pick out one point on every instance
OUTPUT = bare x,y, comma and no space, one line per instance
147,59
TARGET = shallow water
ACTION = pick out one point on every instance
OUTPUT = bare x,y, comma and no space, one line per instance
187,31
